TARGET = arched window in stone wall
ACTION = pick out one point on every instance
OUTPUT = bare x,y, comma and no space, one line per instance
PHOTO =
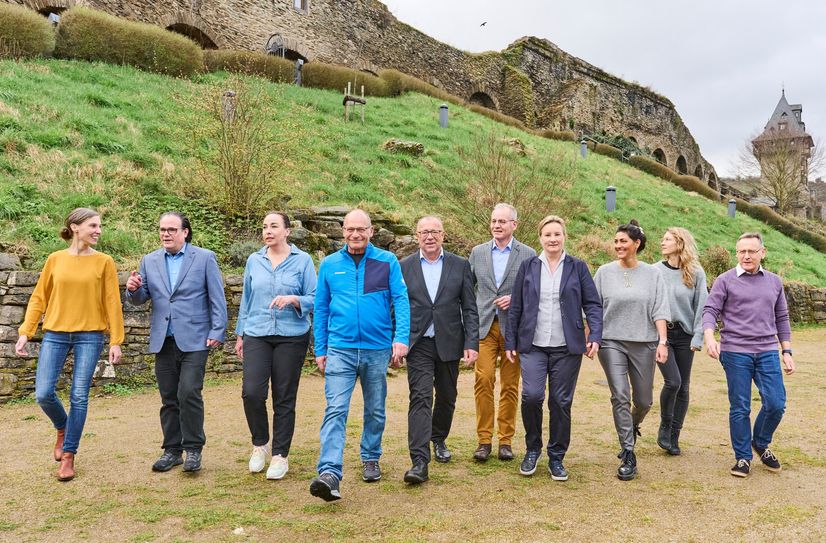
682,167
659,156
195,34
712,180
302,6
698,171
483,99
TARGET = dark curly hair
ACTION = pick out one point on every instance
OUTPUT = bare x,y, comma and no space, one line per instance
634,231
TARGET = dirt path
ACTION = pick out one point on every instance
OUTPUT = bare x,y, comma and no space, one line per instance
689,498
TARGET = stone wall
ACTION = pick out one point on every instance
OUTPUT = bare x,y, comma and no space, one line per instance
317,231
562,91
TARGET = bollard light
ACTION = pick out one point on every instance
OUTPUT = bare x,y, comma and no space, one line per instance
611,199
583,148
732,207
443,115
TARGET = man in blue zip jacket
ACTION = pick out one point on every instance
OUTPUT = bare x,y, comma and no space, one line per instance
355,338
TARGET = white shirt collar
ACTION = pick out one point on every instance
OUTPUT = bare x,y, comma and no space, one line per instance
544,258
740,271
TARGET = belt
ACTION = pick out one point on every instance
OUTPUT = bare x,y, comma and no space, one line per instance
671,325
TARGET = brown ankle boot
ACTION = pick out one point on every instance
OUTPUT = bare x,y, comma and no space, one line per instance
66,471
58,445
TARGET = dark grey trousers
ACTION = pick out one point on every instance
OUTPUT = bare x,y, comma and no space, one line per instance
427,422
180,378
629,368
560,369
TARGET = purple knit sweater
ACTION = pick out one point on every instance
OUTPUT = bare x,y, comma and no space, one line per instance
753,311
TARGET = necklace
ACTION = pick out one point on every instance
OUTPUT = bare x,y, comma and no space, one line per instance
627,279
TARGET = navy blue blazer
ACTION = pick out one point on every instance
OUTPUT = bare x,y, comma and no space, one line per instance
577,292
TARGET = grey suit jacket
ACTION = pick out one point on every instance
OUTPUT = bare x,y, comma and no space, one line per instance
482,265
453,313
197,307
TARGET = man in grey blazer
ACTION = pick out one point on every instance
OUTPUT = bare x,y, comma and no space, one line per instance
444,327
189,316
495,264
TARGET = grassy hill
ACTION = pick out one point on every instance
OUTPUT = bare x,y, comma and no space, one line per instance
127,142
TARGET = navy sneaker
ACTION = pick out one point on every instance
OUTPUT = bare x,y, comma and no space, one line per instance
557,470
528,465
371,471
741,468
325,486
768,458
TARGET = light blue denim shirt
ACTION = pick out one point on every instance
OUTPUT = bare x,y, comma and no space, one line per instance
432,272
173,269
499,259
296,275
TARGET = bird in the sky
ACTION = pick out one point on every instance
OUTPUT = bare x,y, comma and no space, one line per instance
483,24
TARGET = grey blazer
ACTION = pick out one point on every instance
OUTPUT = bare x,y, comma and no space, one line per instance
197,306
453,313
481,264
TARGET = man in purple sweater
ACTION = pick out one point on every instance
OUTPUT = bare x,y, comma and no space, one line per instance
751,304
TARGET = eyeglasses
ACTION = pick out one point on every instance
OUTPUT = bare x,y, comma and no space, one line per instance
749,252
501,222
428,233
170,231
351,230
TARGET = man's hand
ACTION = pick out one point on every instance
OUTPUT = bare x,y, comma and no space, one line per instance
20,347
239,347
592,349
788,364
134,282
712,346
283,301
511,356
503,302
213,343
471,356
399,352
321,362
115,354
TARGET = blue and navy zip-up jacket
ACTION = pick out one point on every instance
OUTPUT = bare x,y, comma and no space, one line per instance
352,305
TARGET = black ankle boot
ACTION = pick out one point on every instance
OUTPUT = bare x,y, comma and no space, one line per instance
664,434
674,449
628,469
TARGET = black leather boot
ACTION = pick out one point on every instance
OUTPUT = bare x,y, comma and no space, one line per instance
664,434
628,469
674,449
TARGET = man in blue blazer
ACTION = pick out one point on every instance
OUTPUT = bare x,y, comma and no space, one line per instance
189,316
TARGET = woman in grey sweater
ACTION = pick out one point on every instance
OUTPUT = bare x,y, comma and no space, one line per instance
635,311
685,285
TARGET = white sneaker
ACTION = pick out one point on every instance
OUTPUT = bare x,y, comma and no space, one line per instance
278,468
258,459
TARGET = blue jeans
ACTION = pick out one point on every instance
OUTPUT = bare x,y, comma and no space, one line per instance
764,369
344,366
54,349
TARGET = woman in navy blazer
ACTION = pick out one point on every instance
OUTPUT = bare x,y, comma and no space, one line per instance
545,327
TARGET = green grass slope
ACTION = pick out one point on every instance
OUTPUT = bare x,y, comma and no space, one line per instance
119,139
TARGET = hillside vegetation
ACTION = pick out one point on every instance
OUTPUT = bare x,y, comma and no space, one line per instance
129,143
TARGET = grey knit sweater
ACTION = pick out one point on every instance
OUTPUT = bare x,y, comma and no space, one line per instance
632,299
686,303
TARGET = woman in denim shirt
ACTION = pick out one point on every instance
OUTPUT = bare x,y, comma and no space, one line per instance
273,335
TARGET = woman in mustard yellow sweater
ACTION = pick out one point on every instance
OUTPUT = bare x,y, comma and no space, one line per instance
78,294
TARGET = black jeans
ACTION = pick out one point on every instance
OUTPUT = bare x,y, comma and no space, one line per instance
180,378
427,422
561,370
676,376
277,360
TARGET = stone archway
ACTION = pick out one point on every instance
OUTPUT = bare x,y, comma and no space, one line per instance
368,68
712,181
659,156
482,99
193,33
698,171
44,7
292,50
194,28
682,166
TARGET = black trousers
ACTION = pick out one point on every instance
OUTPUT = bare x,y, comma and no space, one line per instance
676,377
561,370
277,360
180,379
427,422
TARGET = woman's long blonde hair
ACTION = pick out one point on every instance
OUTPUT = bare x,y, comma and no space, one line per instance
688,260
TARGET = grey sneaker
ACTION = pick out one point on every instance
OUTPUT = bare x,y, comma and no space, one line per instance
371,472
167,461
325,486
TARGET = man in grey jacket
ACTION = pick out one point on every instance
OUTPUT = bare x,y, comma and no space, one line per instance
494,265
189,316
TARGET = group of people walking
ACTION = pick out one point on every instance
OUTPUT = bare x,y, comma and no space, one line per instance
532,315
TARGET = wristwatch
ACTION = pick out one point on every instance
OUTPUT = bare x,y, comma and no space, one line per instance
787,351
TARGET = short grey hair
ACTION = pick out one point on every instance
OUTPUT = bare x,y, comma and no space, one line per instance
506,206
752,235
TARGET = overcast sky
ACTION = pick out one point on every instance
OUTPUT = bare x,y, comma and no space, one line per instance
721,62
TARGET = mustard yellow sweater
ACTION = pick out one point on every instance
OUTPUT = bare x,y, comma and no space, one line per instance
77,294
